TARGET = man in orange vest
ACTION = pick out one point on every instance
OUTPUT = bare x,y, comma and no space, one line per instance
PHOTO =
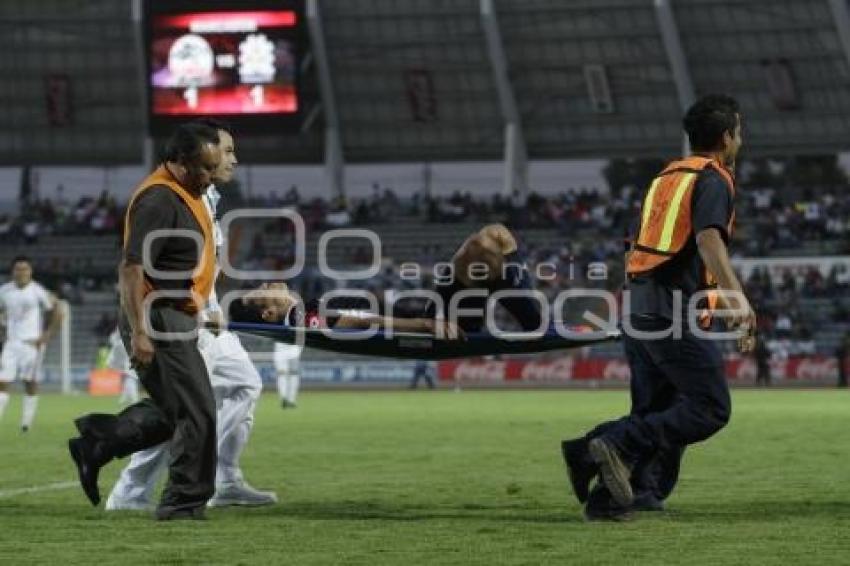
678,384
158,258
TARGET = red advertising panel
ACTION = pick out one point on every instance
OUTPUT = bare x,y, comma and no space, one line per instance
560,370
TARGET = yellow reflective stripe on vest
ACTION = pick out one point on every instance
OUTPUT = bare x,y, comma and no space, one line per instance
673,212
647,209
647,204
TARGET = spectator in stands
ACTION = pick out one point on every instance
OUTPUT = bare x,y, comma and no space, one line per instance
390,205
762,358
445,211
84,208
839,310
362,214
31,229
337,215
98,222
762,200
813,284
517,209
812,217
6,228
314,214
840,277
803,344
292,196
784,325
841,354
48,216
785,235
836,227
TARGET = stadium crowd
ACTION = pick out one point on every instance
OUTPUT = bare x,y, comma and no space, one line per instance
771,220
48,217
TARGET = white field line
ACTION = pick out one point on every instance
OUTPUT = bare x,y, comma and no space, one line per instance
38,488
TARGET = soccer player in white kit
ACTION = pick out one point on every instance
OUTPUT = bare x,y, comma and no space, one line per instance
24,303
287,364
236,384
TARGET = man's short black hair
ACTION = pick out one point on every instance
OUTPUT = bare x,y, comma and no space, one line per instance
215,124
21,258
707,120
184,145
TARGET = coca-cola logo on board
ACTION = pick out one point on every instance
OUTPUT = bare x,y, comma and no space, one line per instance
616,370
814,368
556,370
745,370
480,371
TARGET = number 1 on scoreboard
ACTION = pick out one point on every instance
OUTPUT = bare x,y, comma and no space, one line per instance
191,96
257,95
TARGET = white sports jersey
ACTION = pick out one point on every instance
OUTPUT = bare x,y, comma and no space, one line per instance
24,310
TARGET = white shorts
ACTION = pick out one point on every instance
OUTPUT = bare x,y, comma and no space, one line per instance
283,364
228,364
20,360
287,358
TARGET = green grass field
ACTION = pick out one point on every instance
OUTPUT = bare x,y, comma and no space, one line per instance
446,478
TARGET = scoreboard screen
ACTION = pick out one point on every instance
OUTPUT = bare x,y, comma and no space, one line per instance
234,60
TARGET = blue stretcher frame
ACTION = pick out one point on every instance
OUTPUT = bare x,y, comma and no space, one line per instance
415,346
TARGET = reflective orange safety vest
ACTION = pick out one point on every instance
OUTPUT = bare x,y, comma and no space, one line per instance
665,224
204,274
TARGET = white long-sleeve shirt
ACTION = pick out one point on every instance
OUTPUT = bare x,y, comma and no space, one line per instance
211,198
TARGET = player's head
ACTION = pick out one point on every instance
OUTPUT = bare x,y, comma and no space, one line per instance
21,270
713,124
227,147
194,147
272,301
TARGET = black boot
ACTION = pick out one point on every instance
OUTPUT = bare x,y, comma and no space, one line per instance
89,456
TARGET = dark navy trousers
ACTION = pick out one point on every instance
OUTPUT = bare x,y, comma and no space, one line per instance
679,397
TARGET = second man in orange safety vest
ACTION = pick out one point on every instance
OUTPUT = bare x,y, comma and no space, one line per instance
678,381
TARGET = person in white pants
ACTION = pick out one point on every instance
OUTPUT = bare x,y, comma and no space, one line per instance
287,361
236,384
120,362
23,302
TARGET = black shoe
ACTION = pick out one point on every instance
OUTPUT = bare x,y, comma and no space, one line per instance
602,507
613,515
182,514
647,502
88,466
613,470
24,429
580,466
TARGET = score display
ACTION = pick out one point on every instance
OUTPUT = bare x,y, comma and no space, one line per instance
236,60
